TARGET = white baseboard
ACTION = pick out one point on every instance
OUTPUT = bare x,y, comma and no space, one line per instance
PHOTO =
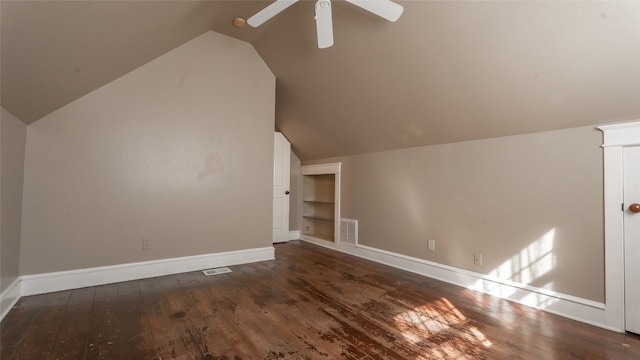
9,297
73,279
580,309
294,235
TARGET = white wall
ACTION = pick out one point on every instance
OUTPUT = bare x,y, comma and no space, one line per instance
12,147
179,152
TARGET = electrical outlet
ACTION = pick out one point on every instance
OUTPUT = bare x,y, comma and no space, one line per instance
477,259
431,245
146,244
307,228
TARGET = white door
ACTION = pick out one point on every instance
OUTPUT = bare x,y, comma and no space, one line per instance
281,169
632,237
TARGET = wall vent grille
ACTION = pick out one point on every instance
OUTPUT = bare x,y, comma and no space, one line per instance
216,271
349,231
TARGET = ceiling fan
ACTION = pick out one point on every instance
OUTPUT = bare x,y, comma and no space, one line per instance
386,9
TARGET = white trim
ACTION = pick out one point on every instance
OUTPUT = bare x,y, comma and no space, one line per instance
576,308
320,169
9,297
73,279
324,243
294,235
613,236
623,134
616,137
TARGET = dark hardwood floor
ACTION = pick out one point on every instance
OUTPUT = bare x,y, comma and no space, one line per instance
310,303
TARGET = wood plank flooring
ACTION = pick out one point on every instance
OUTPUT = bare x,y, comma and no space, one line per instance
310,303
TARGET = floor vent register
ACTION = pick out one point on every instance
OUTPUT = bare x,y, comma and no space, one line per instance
216,271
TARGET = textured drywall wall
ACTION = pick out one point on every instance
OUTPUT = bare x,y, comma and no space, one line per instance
178,152
14,135
531,205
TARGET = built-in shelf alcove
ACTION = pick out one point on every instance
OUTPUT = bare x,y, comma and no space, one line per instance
321,202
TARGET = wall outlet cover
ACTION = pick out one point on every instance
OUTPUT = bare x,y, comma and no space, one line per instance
477,259
431,245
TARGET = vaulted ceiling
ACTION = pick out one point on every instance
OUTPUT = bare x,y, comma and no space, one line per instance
447,71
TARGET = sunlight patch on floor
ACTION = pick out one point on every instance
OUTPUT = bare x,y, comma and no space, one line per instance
440,320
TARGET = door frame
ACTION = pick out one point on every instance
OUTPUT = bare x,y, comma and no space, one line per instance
616,137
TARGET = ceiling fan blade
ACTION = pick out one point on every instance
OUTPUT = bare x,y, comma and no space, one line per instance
324,24
270,11
384,8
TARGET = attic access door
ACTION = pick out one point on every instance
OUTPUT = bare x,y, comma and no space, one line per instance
281,180
631,207
622,228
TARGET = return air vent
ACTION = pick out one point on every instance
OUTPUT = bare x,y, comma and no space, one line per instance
216,271
349,231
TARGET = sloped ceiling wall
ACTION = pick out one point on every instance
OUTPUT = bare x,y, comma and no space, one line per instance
453,71
445,72
53,52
